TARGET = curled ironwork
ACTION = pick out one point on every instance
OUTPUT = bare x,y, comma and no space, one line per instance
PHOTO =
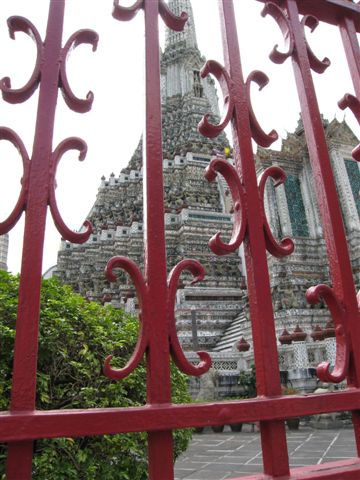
276,55
219,165
170,19
210,130
286,245
206,127
261,138
133,270
319,66
281,19
338,373
351,102
19,95
194,267
72,143
11,220
126,13
78,38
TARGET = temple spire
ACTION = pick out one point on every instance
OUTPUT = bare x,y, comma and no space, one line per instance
188,35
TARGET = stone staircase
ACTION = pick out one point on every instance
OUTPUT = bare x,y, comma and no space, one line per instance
233,333
212,309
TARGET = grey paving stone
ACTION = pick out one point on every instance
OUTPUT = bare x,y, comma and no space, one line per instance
234,455
207,475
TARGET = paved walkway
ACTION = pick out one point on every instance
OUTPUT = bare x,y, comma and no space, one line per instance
227,455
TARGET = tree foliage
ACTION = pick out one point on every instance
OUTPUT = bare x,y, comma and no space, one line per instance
75,337
247,382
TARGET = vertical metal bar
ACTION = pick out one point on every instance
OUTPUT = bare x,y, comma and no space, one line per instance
27,325
339,262
275,460
352,50
158,355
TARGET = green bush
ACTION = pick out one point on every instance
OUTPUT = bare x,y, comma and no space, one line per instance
247,382
75,337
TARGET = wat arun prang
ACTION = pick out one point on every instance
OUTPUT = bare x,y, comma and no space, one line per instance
213,315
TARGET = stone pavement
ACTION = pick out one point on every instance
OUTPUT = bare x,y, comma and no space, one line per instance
218,456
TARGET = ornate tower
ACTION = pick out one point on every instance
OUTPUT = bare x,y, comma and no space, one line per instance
186,97
194,209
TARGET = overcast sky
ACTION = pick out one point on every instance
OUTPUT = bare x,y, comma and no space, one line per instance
115,74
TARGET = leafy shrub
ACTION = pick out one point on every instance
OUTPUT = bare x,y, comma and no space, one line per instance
247,382
75,337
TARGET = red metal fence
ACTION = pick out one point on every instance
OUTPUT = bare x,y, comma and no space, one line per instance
158,340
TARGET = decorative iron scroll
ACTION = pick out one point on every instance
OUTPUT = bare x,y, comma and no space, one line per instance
21,24
133,270
286,245
237,192
72,143
229,91
10,222
351,102
340,369
145,321
19,95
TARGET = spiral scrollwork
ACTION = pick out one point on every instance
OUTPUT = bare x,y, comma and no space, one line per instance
18,95
194,267
286,245
11,136
170,19
205,127
126,13
219,165
211,130
258,134
72,143
133,270
78,38
325,293
351,102
319,66
276,56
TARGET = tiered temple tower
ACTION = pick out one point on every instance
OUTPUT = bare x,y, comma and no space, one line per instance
214,315
194,208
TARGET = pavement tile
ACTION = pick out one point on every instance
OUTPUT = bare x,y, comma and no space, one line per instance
207,475
234,455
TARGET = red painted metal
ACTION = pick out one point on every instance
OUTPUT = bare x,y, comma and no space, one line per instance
156,291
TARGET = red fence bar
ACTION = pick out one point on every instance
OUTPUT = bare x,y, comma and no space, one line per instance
38,191
97,421
257,238
155,292
19,461
340,298
158,367
351,46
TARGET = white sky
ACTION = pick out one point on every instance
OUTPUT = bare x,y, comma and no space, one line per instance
115,74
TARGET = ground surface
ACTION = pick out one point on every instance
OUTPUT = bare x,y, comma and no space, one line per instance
226,455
